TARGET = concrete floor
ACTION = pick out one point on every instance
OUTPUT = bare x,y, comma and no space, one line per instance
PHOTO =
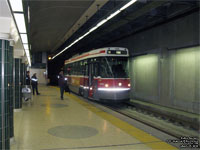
49,123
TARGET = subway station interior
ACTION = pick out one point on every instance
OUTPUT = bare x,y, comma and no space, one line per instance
110,74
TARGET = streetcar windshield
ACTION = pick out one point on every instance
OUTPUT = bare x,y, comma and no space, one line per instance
114,67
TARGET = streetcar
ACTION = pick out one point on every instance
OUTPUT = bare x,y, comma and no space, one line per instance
101,74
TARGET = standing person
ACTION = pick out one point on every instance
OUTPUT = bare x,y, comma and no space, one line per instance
28,79
61,83
34,83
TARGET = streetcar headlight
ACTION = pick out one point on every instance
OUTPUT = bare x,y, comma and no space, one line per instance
106,85
65,79
129,85
120,84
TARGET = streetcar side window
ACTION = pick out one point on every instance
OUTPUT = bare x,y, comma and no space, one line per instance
78,68
81,67
72,71
86,70
96,69
65,69
85,67
75,68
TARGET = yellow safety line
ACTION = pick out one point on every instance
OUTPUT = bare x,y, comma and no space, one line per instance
142,136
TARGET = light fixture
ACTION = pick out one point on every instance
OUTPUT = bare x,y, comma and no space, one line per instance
106,85
19,18
26,46
18,14
24,38
113,89
29,61
28,14
27,53
16,5
102,22
49,58
113,14
127,5
94,28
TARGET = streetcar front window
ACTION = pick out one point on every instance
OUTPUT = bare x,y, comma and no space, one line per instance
114,67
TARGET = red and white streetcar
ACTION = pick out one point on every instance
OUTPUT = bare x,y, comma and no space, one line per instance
100,74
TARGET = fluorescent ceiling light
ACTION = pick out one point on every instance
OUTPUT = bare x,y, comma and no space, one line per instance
94,28
128,4
113,14
28,14
29,61
84,35
19,18
26,47
24,38
80,37
16,5
102,22
27,53
75,41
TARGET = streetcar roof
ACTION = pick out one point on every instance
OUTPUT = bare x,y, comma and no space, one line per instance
99,53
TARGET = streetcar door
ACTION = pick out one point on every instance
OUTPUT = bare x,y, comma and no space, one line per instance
86,81
92,82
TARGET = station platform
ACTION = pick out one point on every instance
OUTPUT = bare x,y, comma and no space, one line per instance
49,123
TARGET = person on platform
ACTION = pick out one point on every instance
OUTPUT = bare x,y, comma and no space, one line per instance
28,79
61,84
34,83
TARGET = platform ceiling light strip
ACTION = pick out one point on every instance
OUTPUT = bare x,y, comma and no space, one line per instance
98,25
17,8
26,46
24,38
29,61
16,5
19,18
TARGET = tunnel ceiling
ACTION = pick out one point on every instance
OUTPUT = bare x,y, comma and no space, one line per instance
50,20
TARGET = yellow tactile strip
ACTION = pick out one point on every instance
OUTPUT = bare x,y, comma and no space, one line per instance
142,136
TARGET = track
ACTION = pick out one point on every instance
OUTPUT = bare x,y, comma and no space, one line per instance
165,124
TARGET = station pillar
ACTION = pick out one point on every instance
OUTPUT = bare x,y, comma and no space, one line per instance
4,97
11,88
17,83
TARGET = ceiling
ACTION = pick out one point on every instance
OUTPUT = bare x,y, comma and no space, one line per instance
50,20
52,23
4,9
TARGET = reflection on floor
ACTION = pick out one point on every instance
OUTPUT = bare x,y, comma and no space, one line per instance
54,124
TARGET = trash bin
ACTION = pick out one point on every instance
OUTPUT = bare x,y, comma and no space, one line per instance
26,92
